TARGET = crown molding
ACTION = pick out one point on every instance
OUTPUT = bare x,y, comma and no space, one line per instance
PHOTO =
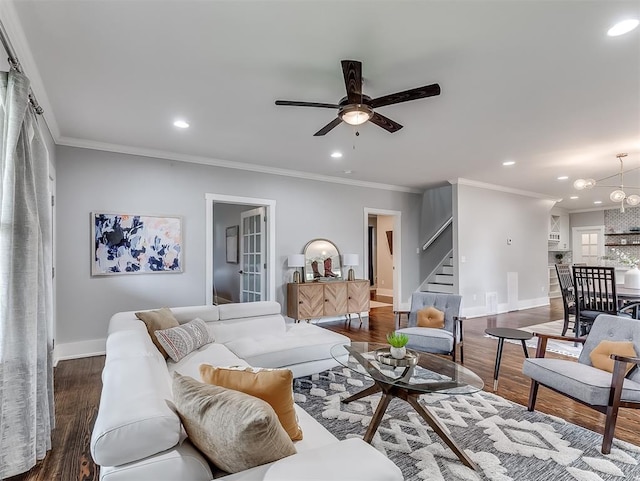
12,25
194,159
501,188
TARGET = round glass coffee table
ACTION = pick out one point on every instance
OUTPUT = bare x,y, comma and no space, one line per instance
418,373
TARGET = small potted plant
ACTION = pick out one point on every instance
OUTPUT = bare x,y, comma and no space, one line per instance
397,341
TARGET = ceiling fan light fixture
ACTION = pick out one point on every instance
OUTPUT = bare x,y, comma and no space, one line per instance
356,114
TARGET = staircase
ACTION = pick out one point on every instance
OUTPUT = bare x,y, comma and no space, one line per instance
442,279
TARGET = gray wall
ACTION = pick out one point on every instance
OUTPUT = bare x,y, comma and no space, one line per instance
226,280
584,219
485,220
91,180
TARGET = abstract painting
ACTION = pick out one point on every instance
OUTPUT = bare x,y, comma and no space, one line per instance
135,244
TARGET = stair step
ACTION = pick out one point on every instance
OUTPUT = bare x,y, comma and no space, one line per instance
444,288
448,262
447,270
444,279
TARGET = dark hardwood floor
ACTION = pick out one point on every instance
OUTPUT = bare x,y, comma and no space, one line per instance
78,385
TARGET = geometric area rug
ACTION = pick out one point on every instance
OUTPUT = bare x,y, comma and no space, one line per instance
507,442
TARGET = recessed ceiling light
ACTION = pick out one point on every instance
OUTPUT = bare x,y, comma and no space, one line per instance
623,27
181,124
336,155
597,202
348,171
574,197
508,163
563,177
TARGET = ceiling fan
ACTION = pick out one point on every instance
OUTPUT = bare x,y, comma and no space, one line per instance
356,108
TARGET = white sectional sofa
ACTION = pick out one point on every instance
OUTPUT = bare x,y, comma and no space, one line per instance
138,435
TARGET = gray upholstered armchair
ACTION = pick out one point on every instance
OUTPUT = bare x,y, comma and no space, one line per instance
581,381
439,341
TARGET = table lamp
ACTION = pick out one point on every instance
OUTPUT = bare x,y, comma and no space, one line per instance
295,261
350,260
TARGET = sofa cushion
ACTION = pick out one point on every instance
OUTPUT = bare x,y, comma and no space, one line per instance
429,339
301,343
601,354
586,383
156,320
181,340
249,309
274,386
254,327
430,317
214,354
234,430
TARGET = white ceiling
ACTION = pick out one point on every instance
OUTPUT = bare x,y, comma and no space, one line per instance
538,82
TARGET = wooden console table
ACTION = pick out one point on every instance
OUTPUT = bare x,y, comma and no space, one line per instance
311,300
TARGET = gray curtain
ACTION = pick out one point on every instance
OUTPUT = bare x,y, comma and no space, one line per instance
26,371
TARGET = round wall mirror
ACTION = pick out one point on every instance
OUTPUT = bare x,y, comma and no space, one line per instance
322,261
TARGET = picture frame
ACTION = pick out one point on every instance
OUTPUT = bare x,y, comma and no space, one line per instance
232,244
124,243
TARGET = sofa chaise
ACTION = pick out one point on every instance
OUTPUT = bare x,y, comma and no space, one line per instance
138,435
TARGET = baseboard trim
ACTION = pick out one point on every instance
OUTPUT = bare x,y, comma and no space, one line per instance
384,292
80,349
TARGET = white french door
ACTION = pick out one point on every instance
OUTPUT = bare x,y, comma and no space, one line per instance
252,252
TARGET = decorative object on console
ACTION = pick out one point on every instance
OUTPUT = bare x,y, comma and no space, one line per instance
398,342
321,252
350,260
135,244
618,195
295,261
232,240
274,386
234,430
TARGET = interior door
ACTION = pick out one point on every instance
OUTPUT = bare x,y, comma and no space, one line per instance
588,245
252,251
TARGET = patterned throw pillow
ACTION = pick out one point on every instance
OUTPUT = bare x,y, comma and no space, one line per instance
234,430
181,340
274,386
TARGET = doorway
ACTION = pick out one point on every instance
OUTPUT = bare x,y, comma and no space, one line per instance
588,245
382,255
240,249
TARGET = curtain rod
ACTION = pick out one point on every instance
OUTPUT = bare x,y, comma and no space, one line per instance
15,64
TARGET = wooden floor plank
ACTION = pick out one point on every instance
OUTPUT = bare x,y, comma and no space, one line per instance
78,384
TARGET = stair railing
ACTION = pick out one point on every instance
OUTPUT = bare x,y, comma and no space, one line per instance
437,234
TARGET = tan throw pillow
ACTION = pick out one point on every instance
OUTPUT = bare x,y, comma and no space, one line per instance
600,354
157,320
430,317
234,430
274,386
181,340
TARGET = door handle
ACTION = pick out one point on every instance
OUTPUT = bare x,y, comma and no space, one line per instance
240,272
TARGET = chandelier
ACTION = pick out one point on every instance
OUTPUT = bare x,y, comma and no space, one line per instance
617,195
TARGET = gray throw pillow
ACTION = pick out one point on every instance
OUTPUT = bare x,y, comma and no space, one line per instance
181,340
234,430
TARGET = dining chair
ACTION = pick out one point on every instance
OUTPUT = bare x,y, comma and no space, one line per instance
595,294
565,279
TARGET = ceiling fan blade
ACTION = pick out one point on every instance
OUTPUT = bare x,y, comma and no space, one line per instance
352,70
306,104
329,127
385,122
406,96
